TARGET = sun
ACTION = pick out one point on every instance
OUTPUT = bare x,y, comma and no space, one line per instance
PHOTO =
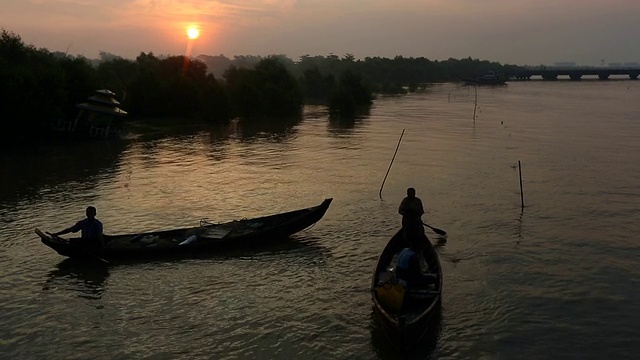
193,32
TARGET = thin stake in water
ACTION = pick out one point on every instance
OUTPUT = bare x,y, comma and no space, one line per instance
521,191
475,103
393,158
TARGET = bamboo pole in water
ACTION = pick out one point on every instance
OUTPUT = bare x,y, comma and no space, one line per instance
475,102
521,191
393,158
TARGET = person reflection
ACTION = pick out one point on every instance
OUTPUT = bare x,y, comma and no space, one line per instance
86,279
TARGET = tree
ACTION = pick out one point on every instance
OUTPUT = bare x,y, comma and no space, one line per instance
33,87
281,91
269,89
317,87
351,94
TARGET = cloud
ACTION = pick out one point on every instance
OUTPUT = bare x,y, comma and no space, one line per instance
529,31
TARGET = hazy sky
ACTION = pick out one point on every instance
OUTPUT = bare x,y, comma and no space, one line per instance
522,32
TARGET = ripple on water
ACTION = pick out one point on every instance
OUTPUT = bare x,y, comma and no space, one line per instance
546,279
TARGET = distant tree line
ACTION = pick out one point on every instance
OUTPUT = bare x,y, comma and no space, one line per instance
383,75
38,86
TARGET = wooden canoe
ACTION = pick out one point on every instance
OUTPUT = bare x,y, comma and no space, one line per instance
203,239
406,312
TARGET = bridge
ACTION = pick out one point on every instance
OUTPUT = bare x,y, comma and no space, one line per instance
573,73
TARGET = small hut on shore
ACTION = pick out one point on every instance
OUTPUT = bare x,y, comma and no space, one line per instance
99,117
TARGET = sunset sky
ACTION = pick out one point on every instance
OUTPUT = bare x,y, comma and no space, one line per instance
522,32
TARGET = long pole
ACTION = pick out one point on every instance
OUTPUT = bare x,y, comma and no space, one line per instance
475,102
393,158
521,191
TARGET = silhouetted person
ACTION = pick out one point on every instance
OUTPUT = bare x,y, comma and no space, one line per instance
411,210
91,228
408,267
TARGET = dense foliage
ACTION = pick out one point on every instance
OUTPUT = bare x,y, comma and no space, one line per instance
268,89
382,75
32,86
38,86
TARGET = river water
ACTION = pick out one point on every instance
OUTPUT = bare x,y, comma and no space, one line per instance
558,278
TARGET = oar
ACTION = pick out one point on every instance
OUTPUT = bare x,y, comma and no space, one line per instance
82,248
436,230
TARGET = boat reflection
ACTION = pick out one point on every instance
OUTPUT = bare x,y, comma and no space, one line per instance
86,279
426,349
299,248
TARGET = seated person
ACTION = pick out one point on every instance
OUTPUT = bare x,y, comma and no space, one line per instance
409,270
91,229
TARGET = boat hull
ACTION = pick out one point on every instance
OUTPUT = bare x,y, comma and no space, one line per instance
190,242
406,328
491,78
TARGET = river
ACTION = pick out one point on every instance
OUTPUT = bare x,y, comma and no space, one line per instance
557,278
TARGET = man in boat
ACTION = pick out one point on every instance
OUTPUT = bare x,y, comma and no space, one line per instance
412,210
408,267
90,228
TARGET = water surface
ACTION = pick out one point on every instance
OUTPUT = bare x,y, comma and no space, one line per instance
555,279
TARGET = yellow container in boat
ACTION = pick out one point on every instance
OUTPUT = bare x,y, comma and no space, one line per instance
391,295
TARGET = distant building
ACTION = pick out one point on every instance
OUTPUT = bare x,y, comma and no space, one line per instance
616,64
631,64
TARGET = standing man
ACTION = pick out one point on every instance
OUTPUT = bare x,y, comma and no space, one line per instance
91,228
411,210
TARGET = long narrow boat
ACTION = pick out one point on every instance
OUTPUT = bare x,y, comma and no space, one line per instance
205,238
490,78
405,313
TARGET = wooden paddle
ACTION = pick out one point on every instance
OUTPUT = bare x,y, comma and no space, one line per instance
436,230
82,248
